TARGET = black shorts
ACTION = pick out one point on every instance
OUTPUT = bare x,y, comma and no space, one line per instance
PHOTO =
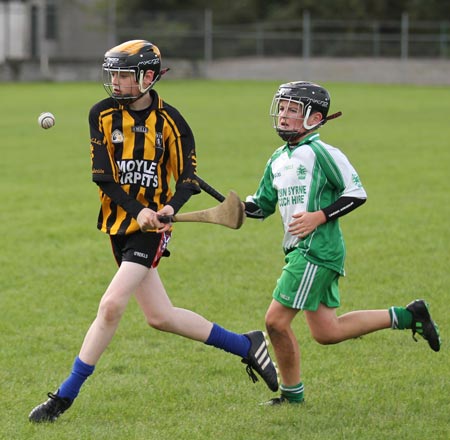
144,248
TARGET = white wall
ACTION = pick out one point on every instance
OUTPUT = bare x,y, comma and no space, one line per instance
14,30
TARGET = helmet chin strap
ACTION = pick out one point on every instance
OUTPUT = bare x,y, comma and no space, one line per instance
286,135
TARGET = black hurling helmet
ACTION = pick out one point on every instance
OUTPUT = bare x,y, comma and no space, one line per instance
136,56
311,97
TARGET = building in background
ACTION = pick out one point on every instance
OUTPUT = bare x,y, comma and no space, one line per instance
65,40
37,33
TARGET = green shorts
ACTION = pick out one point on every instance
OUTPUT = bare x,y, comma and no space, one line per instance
304,285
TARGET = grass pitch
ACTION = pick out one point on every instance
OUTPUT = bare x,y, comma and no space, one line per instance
55,266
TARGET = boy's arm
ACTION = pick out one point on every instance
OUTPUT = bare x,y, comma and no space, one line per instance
342,206
252,210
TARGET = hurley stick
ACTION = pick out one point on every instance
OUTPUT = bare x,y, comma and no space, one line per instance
229,213
210,190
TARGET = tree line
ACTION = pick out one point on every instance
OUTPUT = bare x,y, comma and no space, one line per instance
251,11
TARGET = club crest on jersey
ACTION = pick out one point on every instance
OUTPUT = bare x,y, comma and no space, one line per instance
301,172
159,141
356,180
117,137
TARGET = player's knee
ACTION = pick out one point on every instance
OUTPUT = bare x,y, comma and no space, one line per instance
159,322
273,326
324,338
110,310
270,324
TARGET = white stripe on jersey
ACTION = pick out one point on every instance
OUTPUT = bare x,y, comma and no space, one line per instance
305,286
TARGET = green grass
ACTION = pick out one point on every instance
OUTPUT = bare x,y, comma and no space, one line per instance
55,266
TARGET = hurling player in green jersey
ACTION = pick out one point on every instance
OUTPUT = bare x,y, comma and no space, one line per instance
313,184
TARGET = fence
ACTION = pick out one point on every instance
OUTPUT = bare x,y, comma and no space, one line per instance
196,36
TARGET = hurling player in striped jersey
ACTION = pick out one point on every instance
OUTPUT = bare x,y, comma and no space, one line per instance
314,184
139,143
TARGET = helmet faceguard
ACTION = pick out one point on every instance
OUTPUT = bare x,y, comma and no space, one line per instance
308,99
136,57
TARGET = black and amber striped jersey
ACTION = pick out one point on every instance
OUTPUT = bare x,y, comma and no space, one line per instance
140,151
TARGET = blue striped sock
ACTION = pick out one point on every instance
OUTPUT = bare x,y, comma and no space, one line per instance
228,341
71,386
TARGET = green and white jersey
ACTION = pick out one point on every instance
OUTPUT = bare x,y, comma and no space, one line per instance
308,177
